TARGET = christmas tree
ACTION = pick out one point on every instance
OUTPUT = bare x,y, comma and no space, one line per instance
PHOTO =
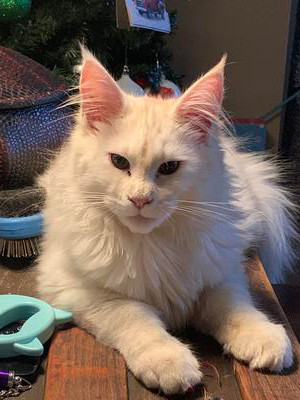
53,28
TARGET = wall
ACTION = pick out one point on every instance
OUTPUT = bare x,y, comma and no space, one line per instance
254,33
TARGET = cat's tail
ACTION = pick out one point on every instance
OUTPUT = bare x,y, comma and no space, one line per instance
276,248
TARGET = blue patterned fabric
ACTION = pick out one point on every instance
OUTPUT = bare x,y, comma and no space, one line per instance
27,138
32,125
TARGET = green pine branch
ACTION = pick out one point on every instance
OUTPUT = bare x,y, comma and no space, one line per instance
51,33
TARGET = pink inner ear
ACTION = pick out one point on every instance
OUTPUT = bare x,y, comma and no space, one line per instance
200,105
101,98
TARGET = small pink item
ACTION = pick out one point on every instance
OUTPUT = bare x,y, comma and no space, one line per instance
191,390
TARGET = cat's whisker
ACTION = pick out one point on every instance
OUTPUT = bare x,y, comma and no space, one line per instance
64,117
191,217
96,202
23,192
231,210
95,197
200,210
183,209
32,206
74,102
214,206
206,213
204,202
214,217
217,204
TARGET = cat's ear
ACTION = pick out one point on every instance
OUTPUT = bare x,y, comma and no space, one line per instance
200,105
100,97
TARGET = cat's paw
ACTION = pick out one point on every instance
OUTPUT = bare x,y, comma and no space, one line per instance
170,367
263,345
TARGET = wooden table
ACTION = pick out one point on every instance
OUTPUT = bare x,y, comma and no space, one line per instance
78,367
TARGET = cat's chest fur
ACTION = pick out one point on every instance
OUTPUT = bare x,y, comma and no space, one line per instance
167,268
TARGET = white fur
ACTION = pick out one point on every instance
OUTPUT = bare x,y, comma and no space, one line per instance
129,279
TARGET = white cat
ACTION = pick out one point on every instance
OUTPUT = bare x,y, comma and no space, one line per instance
149,212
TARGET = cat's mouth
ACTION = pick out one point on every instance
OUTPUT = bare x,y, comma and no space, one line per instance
140,224
140,219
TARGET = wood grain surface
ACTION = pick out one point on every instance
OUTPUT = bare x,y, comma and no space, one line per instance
79,367
218,382
255,385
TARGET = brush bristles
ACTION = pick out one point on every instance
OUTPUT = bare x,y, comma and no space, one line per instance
19,247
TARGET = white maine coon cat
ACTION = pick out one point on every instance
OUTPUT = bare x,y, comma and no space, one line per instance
149,212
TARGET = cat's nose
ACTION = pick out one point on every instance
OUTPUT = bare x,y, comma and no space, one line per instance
140,201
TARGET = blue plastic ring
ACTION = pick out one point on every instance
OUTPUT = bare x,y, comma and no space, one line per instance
22,227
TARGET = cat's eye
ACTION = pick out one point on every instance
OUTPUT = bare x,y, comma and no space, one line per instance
120,162
168,167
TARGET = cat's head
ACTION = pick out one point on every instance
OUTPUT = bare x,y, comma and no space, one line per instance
140,156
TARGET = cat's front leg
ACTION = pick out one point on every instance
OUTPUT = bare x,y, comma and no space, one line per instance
227,313
155,357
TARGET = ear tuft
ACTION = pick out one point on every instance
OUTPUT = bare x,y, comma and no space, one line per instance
101,98
200,105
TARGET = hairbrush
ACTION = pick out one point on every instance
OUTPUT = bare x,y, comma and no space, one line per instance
33,125
21,222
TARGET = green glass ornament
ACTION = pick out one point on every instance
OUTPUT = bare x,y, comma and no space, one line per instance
11,10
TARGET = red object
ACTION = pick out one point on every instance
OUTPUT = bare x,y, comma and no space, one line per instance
152,5
142,82
191,390
166,92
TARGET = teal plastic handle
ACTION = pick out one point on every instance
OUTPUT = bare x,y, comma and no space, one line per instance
41,320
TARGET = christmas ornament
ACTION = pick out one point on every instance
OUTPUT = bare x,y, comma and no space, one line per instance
160,85
142,82
165,88
14,9
128,85
168,88
154,78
